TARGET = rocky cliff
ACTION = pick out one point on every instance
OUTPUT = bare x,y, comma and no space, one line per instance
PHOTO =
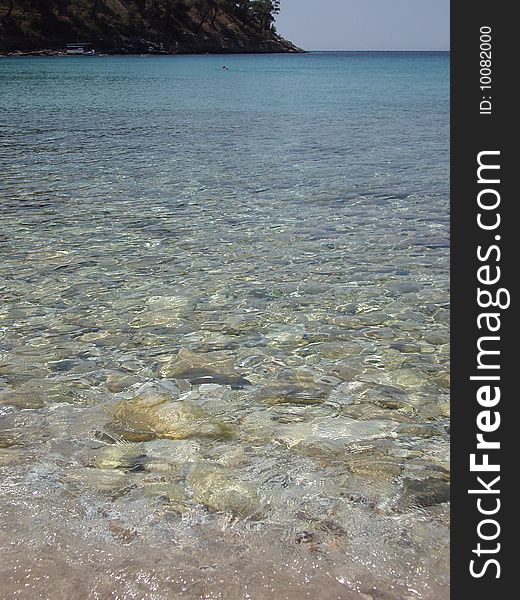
142,26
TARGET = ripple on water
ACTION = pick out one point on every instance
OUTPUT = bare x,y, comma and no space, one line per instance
224,330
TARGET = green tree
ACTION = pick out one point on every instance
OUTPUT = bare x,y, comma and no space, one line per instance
204,9
96,5
265,11
9,9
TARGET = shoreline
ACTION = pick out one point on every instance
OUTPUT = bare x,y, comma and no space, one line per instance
53,53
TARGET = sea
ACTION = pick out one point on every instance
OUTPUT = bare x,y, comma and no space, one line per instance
224,327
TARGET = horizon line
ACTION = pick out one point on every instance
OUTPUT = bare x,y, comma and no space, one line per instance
377,50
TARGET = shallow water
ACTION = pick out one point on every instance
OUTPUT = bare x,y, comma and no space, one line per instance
224,359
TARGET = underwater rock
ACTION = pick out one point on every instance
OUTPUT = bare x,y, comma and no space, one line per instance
374,465
212,391
424,469
157,456
253,361
168,455
214,487
117,382
100,480
231,458
345,371
178,303
406,347
164,387
286,336
409,379
437,338
9,438
156,416
206,377
328,380
425,492
296,375
9,456
189,365
393,404
370,412
120,456
374,319
322,535
342,431
171,492
61,366
291,394
443,380
420,430
295,433
257,427
333,350
431,409
157,318
331,434
378,399
347,393
403,287
124,535
22,398
380,333
291,414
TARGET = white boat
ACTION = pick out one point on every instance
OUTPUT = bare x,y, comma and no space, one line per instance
80,50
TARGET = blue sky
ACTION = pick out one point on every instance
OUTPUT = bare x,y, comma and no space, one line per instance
366,24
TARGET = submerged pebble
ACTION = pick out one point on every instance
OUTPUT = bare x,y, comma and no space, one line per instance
214,487
120,456
156,416
291,394
172,451
170,492
25,399
98,480
186,361
425,492
117,382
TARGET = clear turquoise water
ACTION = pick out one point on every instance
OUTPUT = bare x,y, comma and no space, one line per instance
264,249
